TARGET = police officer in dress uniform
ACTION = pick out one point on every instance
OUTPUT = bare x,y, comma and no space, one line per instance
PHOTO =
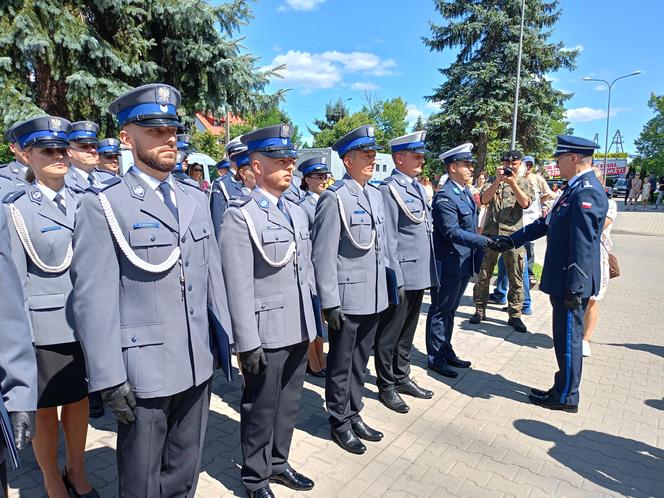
18,369
349,254
316,166
459,250
269,276
180,172
571,273
146,331
408,227
505,198
109,153
226,187
83,157
41,227
17,168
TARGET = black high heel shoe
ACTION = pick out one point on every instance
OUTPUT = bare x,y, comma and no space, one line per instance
72,491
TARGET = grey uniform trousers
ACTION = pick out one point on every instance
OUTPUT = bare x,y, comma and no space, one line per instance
270,402
394,340
159,454
347,360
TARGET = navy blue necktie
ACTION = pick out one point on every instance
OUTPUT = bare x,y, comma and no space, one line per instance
282,208
59,201
166,192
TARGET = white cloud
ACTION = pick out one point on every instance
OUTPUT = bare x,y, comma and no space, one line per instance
585,114
570,49
413,114
302,5
311,71
433,106
365,86
600,88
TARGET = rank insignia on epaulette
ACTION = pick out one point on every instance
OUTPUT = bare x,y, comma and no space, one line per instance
586,183
138,191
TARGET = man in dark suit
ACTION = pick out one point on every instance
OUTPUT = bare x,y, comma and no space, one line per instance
459,251
571,273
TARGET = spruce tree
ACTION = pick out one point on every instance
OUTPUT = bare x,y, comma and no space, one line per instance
73,57
477,95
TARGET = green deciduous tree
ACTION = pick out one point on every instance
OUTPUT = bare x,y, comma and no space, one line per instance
270,116
73,57
650,144
476,98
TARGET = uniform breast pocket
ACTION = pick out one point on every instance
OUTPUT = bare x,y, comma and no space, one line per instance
275,242
303,244
151,244
360,227
200,233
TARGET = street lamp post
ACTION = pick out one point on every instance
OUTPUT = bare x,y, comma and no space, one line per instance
518,76
608,114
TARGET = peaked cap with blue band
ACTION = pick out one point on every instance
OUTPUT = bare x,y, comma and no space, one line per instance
45,131
183,142
241,158
458,153
234,147
361,138
272,141
224,163
313,165
10,136
413,142
569,144
153,105
84,132
109,146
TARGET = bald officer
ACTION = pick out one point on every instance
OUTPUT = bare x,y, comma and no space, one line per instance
17,168
83,157
18,367
268,275
408,226
146,331
571,273
349,257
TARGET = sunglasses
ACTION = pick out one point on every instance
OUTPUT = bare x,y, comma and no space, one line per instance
199,170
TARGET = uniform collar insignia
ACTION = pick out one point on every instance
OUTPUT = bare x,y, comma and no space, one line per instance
36,196
181,187
402,181
138,191
353,190
456,190
264,203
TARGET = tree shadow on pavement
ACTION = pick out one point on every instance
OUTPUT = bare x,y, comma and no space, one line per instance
621,465
648,348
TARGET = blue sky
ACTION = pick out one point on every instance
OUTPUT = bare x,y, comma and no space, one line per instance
345,48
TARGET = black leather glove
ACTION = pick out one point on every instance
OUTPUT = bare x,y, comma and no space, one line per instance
23,424
500,243
120,399
572,300
334,317
402,294
253,361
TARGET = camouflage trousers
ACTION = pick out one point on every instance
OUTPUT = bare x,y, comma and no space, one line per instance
514,261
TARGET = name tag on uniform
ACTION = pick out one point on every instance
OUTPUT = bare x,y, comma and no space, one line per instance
409,200
50,229
361,211
152,224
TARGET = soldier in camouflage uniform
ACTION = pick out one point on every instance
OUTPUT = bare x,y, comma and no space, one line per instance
505,198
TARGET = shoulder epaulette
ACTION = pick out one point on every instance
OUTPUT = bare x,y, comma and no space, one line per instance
387,180
12,197
336,186
239,201
100,188
369,184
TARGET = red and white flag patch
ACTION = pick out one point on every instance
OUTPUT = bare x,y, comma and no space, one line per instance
586,205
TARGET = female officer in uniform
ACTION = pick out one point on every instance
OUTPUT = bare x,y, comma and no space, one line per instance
41,224
314,180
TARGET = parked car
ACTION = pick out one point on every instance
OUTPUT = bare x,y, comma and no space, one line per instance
619,188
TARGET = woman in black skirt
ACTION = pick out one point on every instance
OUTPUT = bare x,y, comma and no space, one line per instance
41,224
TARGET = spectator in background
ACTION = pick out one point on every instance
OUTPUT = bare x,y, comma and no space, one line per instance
635,191
645,195
428,188
652,179
606,247
196,173
660,192
628,185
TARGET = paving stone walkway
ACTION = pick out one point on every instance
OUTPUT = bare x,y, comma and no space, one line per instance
479,435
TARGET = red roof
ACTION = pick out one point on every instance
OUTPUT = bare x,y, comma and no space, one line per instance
215,125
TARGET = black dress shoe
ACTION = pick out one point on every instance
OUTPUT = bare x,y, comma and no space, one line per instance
348,441
292,479
264,492
539,392
552,404
444,370
72,491
459,363
412,389
393,401
96,405
363,431
518,325
477,318
322,373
